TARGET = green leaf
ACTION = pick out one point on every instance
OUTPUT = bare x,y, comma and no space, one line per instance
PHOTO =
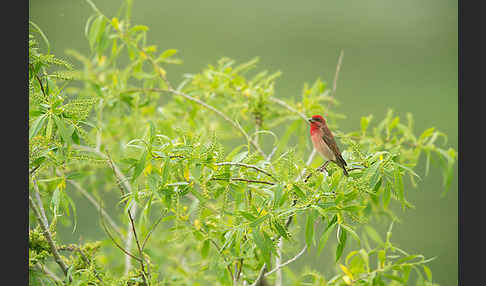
247,215
427,272
205,248
167,54
399,186
373,234
309,231
263,244
352,232
65,129
36,126
426,133
341,244
325,237
298,191
140,166
55,200
238,158
259,220
165,171
365,121
280,229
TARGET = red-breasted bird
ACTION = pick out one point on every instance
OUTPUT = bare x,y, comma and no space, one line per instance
324,142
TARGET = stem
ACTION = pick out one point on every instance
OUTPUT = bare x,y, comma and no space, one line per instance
48,236
243,180
96,205
247,166
202,103
287,262
258,281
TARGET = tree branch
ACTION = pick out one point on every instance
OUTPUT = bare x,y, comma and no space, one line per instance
48,236
288,261
259,280
140,251
202,103
243,180
96,205
247,166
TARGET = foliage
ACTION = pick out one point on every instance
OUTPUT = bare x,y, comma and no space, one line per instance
212,173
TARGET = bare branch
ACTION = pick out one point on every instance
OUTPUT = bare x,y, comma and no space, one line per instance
48,272
152,228
247,166
140,251
116,243
126,186
202,103
243,180
288,261
338,68
282,103
259,280
48,236
96,205
278,261
39,201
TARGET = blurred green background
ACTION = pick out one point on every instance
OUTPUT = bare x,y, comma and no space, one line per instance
397,54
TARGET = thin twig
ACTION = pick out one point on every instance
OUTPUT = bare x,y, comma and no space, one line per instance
247,166
288,261
152,228
224,257
39,202
121,180
322,168
338,68
48,236
202,103
140,251
116,243
48,273
243,180
282,103
278,261
96,205
258,281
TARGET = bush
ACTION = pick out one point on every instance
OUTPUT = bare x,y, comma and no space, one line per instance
212,173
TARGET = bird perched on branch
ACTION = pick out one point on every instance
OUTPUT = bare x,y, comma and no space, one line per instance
324,142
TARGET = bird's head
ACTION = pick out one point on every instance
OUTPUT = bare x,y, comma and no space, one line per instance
317,121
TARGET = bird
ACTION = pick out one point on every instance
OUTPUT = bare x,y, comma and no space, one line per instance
324,142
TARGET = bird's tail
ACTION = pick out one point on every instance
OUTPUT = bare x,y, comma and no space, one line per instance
341,163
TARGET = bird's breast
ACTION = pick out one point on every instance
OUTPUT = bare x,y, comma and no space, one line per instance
322,148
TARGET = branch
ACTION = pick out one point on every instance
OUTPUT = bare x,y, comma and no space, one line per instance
259,280
96,205
243,180
140,251
39,201
150,231
338,68
281,102
221,114
247,166
48,236
288,261
121,180
48,272
116,243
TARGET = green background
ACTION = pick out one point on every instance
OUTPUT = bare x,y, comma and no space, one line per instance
397,54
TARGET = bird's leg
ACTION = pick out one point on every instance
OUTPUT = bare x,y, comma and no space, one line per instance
323,167
320,169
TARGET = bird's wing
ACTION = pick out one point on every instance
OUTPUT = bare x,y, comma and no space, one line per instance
331,143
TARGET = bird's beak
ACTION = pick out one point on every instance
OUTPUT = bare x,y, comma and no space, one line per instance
310,120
